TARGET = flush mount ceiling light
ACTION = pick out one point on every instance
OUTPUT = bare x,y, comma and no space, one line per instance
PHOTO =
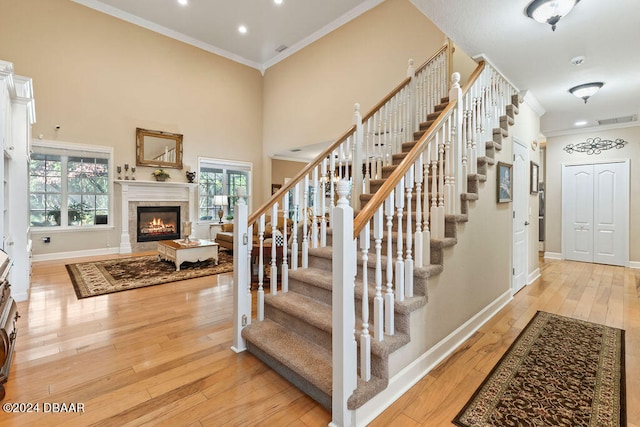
242,29
550,11
586,90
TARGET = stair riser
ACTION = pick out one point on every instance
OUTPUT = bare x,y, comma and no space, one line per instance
298,326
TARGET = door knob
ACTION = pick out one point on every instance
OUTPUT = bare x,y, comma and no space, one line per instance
526,223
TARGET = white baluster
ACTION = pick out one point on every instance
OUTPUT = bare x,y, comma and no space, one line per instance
408,261
260,311
296,218
400,259
285,239
323,204
441,210
315,214
435,223
274,249
388,296
365,338
426,231
378,305
417,237
305,223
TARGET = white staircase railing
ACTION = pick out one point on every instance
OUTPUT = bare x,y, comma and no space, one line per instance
426,185
280,233
420,192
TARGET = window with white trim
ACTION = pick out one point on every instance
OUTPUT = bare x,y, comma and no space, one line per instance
218,181
69,186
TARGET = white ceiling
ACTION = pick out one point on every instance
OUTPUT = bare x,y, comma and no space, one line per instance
533,57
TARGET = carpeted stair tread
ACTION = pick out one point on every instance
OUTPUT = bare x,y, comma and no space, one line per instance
310,361
365,391
486,160
469,196
459,217
480,177
310,310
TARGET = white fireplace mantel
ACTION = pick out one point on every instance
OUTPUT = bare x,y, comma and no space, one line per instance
152,191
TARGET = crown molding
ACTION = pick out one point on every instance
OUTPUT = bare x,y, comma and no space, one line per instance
591,129
128,17
344,19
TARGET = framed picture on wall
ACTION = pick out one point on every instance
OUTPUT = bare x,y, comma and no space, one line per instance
533,174
504,182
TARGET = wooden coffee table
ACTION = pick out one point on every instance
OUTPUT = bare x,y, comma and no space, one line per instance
196,250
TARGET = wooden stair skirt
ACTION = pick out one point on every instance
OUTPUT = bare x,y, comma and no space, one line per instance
295,337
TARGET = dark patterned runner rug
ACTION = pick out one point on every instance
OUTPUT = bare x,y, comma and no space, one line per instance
91,279
559,372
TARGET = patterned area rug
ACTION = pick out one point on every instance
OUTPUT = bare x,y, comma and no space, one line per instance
91,279
558,372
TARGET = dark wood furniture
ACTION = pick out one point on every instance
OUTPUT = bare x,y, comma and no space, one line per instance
8,319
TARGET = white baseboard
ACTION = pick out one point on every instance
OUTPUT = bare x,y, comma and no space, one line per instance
75,254
533,276
409,376
634,264
553,255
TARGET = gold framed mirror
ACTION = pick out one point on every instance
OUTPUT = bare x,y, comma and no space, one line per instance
158,149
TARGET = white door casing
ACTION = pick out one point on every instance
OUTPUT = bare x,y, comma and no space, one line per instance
595,212
520,215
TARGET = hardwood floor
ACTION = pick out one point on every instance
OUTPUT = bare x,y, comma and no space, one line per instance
161,355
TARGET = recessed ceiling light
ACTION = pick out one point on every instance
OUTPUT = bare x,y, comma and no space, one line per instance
183,2
242,29
278,2
580,123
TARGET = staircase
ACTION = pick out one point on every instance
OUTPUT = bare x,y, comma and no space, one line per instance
295,328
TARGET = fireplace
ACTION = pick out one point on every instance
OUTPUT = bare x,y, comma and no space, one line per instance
158,223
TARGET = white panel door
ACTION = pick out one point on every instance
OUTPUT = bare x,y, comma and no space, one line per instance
577,212
520,215
610,212
595,209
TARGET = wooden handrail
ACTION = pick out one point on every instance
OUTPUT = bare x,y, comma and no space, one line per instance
308,168
365,215
434,56
386,99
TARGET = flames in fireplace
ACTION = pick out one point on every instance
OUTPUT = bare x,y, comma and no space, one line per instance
157,226
158,223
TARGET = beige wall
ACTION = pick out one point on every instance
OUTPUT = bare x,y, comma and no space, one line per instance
99,78
281,169
309,97
556,157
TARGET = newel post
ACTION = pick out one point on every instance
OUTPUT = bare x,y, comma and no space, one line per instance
344,350
241,279
459,150
358,146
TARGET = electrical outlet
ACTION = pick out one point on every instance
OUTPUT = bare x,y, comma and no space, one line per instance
46,239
